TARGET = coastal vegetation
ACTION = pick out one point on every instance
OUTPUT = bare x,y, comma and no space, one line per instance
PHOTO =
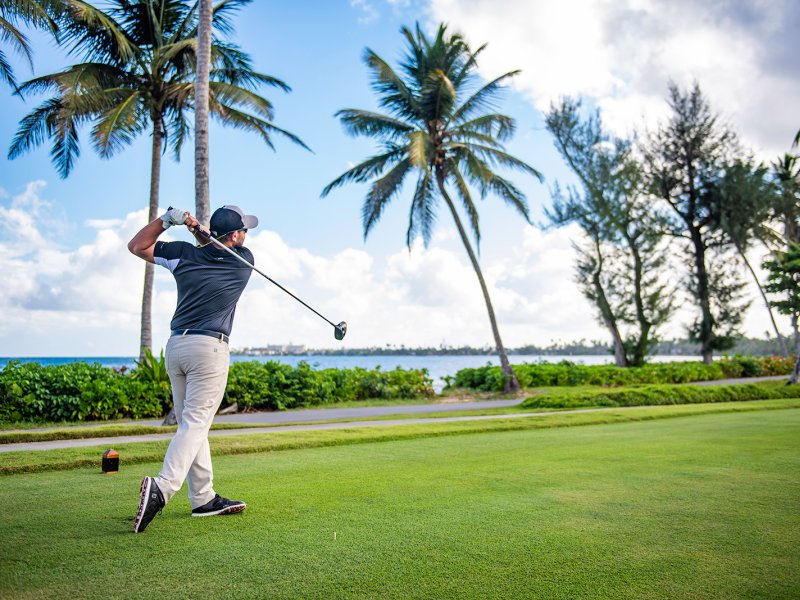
75,392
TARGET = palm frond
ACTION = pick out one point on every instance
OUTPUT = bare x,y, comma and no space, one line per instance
119,125
422,216
466,201
381,193
178,95
184,26
178,130
366,170
372,124
229,63
36,13
7,73
247,78
420,149
9,33
478,172
222,12
169,52
225,94
469,65
511,194
503,159
228,115
497,127
483,99
393,92
34,128
437,97
65,148
96,34
463,138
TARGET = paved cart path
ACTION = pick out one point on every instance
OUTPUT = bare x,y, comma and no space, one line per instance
111,441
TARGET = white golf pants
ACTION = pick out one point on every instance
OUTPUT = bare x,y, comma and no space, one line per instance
198,370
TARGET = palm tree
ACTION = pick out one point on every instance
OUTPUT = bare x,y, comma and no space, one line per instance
39,14
137,75
440,127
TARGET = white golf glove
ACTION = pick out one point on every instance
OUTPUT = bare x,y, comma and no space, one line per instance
174,216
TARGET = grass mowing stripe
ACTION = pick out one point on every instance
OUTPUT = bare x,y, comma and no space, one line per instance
139,452
673,508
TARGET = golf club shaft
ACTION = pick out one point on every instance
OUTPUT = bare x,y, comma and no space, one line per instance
264,275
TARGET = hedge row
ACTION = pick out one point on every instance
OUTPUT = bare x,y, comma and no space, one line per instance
654,395
83,392
566,373
78,392
273,385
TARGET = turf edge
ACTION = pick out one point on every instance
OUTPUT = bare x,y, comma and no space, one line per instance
141,452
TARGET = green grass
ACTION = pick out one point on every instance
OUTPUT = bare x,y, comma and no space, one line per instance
700,507
138,452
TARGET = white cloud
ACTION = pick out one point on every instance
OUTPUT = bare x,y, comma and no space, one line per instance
622,53
368,12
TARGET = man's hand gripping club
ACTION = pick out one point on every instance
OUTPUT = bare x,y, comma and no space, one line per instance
143,243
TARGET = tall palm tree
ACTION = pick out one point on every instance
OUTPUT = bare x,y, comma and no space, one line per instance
440,126
137,75
36,13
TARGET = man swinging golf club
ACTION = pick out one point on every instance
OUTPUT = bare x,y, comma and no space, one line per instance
210,281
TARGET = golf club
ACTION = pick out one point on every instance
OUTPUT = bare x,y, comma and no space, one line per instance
338,330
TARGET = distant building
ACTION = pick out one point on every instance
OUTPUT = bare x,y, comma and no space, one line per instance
273,350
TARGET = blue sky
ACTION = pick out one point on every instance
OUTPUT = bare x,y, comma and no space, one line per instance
73,290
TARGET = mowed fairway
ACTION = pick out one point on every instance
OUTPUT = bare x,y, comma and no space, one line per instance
696,507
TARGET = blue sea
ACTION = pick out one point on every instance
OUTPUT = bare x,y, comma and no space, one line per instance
437,366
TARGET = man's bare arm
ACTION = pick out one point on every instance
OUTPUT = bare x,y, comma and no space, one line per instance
144,242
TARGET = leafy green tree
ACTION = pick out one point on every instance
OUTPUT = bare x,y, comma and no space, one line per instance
41,14
783,281
746,199
683,161
137,75
439,126
620,268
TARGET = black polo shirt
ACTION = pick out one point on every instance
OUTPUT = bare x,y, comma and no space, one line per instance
210,282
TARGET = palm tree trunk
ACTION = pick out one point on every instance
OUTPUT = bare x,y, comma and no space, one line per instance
766,301
201,194
146,337
511,383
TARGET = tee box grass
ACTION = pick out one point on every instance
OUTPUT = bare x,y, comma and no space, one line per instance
702,506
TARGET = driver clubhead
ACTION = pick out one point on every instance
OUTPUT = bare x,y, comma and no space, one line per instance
339,330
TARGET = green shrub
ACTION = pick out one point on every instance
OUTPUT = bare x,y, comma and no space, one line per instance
277,386
76,392
650,395
566,373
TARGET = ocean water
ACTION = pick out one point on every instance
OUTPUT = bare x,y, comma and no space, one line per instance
437,366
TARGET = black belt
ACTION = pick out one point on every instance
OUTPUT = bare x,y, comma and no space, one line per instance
208,332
